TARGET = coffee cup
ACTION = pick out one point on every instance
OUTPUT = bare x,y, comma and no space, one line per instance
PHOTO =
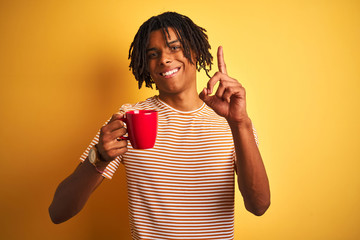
141,128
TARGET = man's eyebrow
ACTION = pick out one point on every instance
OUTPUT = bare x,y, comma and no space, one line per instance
175,41
169,43
150,49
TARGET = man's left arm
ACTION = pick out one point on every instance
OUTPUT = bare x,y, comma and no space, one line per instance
251,174
229,101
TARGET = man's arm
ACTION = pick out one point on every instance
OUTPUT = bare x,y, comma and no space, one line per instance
229,101
72,194
252,178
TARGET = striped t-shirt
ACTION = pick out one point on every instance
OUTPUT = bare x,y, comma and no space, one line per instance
183,188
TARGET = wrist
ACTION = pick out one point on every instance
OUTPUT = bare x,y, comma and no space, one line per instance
97,160
101,165
244,123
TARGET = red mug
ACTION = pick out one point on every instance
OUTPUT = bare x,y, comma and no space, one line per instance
141,128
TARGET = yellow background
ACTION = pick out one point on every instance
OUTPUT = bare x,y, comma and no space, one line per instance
64,71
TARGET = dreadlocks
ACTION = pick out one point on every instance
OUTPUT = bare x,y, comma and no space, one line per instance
192,38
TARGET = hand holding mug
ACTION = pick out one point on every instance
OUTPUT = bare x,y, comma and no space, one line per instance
110,143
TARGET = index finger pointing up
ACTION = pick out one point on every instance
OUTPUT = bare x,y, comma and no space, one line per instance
220,60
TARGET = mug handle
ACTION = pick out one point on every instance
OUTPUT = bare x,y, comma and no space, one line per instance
123,137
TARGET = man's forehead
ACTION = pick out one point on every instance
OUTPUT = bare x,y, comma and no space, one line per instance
162,35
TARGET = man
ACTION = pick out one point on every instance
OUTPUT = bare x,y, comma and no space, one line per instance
183,188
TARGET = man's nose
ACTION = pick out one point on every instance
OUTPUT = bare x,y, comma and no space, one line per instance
166,57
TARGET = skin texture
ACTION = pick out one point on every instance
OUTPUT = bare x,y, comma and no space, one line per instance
178,89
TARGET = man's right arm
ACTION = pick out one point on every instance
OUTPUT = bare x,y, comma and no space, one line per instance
72,193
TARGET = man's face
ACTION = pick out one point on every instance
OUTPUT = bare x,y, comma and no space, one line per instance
169,68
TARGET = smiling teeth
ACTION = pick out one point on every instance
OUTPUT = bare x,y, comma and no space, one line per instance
170,72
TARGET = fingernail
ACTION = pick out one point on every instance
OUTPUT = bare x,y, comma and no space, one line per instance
204,91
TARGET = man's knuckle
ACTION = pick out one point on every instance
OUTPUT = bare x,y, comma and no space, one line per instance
107,147
123,143
123,131
106,138
123,150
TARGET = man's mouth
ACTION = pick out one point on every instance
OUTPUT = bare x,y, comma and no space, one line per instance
169,73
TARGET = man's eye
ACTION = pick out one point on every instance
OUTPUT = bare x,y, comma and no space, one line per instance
152,55
174,48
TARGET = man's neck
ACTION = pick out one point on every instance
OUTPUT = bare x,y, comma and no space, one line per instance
182,102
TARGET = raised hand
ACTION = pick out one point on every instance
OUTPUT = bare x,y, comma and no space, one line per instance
229,100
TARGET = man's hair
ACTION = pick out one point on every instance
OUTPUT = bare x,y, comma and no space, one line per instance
192,38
